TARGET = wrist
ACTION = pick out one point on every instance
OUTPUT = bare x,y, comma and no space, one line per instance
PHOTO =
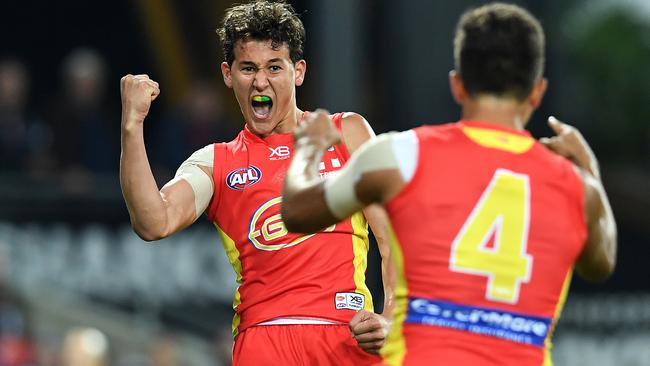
131,123
132,131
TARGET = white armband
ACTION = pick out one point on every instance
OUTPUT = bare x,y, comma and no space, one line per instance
201,183
391,150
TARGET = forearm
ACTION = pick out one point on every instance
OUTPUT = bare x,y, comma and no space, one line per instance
303,170
379,223
598,257
143,199
303,194
606,225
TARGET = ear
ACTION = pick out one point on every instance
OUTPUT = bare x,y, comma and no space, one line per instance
227,75
536,95
457,88
301,69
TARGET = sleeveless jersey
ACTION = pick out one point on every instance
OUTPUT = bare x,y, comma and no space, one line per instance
487,230
283,274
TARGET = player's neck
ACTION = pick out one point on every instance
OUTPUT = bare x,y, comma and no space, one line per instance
288,123
502,112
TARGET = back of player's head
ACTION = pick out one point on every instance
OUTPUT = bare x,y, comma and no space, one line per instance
499,50
262,20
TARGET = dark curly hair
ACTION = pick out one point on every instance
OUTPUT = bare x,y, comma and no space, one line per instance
262,20
499,50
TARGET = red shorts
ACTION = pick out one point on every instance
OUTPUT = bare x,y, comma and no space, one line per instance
299,344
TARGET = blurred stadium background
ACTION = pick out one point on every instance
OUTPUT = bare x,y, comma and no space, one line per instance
68,259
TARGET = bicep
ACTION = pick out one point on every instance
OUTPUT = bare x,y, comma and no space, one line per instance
179,200
188,195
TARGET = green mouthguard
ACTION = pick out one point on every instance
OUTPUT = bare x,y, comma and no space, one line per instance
261,98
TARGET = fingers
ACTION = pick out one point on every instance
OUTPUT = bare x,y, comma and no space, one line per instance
360,316
557,126
318,130
369,330
141,82
320,112
155,93
558,145
368,327
371,347
570,144
374,335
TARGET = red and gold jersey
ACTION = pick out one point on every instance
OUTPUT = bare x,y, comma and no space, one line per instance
488,230
283,274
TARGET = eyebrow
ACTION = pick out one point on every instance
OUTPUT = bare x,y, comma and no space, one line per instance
251,63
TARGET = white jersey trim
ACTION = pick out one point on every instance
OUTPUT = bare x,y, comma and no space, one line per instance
292,321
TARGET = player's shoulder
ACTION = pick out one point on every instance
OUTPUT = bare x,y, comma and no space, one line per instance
201,157
355,130
351,122
438,132
232,145
555,164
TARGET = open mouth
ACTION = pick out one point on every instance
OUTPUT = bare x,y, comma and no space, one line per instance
262,106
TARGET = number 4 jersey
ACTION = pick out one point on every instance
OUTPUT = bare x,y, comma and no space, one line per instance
488,229
283,274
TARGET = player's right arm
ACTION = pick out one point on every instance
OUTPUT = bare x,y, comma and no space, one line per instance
155,214
372,175
598,257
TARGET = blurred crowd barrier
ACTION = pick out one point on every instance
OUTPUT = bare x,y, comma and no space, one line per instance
113,263
107,279
61,285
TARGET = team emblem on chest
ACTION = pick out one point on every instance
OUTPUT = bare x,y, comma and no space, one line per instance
267,232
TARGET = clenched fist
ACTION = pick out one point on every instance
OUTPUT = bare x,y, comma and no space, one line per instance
317,130
369,330
138,91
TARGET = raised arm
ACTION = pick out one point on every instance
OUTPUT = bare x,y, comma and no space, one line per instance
598,257
154,214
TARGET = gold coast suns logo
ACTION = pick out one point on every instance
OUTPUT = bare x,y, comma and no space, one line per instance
267,231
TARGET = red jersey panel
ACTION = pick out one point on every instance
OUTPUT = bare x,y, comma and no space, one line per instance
283,274
489,229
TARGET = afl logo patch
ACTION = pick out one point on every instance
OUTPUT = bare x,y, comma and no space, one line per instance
241,178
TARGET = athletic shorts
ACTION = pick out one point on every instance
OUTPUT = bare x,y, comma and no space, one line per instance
299,344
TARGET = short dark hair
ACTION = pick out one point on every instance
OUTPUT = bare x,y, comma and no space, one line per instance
499,50
262,20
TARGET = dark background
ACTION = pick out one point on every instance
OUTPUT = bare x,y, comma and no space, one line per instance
387,60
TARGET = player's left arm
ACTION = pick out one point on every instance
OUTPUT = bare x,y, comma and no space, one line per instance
368,329
310,204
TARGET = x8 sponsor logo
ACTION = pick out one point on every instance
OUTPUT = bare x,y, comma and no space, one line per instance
266,230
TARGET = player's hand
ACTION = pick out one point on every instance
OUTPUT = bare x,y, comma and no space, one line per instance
317,130
369,330
569,143
138,91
